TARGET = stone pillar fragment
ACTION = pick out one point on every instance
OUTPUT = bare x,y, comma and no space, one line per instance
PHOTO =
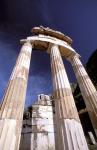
38,129
93,141
87,88
69,133
12,107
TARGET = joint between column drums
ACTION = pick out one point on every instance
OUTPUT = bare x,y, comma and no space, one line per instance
28,42
70,118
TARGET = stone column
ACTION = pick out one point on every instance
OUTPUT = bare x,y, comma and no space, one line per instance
12,107
87,88
69,133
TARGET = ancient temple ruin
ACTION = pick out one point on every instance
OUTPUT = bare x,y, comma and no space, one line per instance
68,130
38,125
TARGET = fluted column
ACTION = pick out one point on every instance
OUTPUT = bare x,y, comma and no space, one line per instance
12,107
87,88
69,132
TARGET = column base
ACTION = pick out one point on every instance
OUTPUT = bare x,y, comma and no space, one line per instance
7,134
72,135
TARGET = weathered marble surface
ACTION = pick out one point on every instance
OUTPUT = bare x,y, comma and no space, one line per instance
12,107
69,133
38,130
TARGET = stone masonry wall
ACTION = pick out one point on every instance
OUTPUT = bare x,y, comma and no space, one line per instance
38,130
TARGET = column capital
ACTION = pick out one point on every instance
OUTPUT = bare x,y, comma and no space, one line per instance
72,56
28,43
50,46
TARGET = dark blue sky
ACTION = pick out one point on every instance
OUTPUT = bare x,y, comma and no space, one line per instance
77,19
